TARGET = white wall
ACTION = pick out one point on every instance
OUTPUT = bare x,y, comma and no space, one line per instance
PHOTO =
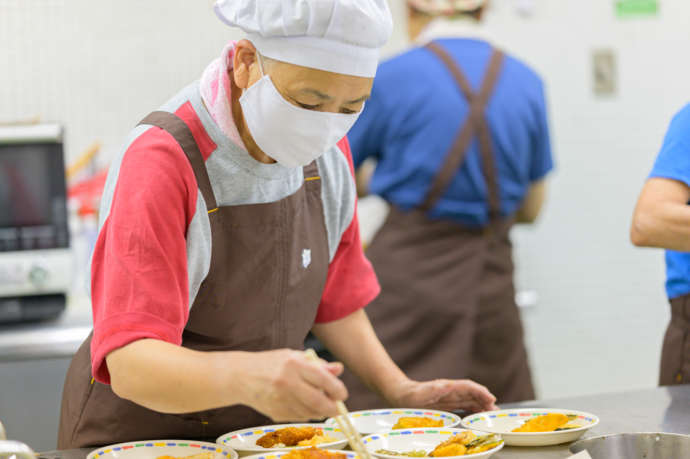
101,66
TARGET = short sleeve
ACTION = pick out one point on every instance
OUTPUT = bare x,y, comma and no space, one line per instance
139,285
542,156
351,283
673,161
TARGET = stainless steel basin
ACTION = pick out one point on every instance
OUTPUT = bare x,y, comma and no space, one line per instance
636,446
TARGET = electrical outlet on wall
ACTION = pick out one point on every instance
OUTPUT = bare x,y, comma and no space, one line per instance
605,72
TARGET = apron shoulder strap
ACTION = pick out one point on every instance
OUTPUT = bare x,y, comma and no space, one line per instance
177,128
476,124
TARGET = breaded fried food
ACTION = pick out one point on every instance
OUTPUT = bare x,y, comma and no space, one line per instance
546,423
317,440
416,422
454,446
287,436
313,453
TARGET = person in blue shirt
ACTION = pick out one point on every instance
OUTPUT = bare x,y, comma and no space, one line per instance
459,133
662,219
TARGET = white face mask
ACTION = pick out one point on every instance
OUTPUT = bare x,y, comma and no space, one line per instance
291,135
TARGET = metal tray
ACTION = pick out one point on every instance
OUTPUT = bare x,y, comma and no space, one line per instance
636,446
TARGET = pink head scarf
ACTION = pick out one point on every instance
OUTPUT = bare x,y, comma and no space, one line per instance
216,90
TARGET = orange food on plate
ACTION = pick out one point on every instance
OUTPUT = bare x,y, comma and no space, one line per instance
454,449
546,423
289,436
208,455
313,453
416,422
462,444
454,446
317,440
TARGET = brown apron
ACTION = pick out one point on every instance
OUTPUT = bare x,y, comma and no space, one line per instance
257,296
675,355
447,307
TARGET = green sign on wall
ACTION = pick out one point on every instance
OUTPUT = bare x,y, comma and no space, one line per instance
626,8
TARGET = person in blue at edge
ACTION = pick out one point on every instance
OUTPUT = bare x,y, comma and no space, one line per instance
459,132
662,219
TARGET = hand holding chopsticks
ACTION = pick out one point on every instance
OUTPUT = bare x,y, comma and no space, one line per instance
344,421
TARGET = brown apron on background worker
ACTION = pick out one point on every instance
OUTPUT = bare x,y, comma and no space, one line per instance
447,305
675,354
243,304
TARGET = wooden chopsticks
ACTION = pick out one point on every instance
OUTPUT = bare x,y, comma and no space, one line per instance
344,421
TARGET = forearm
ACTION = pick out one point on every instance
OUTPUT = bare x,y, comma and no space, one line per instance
353,341
662,216
532,204
664,225
173,379
363,177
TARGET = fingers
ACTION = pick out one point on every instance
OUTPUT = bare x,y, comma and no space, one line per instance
300,401
481,393
321,378
335,368
316,403
466,395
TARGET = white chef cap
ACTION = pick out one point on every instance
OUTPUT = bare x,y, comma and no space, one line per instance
446,7
341,36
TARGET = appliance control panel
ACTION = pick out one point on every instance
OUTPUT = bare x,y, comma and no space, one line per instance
35,272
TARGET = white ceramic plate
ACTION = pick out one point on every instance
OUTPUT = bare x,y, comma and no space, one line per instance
504,421
155,448
279,454
416,439
372,421
244,441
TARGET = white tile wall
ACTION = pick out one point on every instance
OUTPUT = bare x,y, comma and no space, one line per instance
99,66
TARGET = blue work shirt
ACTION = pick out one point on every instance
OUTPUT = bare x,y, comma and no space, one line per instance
415,113
673,163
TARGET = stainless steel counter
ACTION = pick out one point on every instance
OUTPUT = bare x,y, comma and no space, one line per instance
653,410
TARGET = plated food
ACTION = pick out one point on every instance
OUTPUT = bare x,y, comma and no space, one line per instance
311,453
432,442
314,453
284,437
164,449
552,422
414,422
372,421
464,444
294,436
193,456
533,426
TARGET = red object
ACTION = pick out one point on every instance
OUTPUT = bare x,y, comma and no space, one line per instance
88,192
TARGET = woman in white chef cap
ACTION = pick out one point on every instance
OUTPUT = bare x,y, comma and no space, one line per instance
228,232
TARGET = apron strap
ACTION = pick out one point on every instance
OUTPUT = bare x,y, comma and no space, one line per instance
476,124
177,128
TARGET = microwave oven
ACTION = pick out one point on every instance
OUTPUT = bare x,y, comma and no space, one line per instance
35,257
